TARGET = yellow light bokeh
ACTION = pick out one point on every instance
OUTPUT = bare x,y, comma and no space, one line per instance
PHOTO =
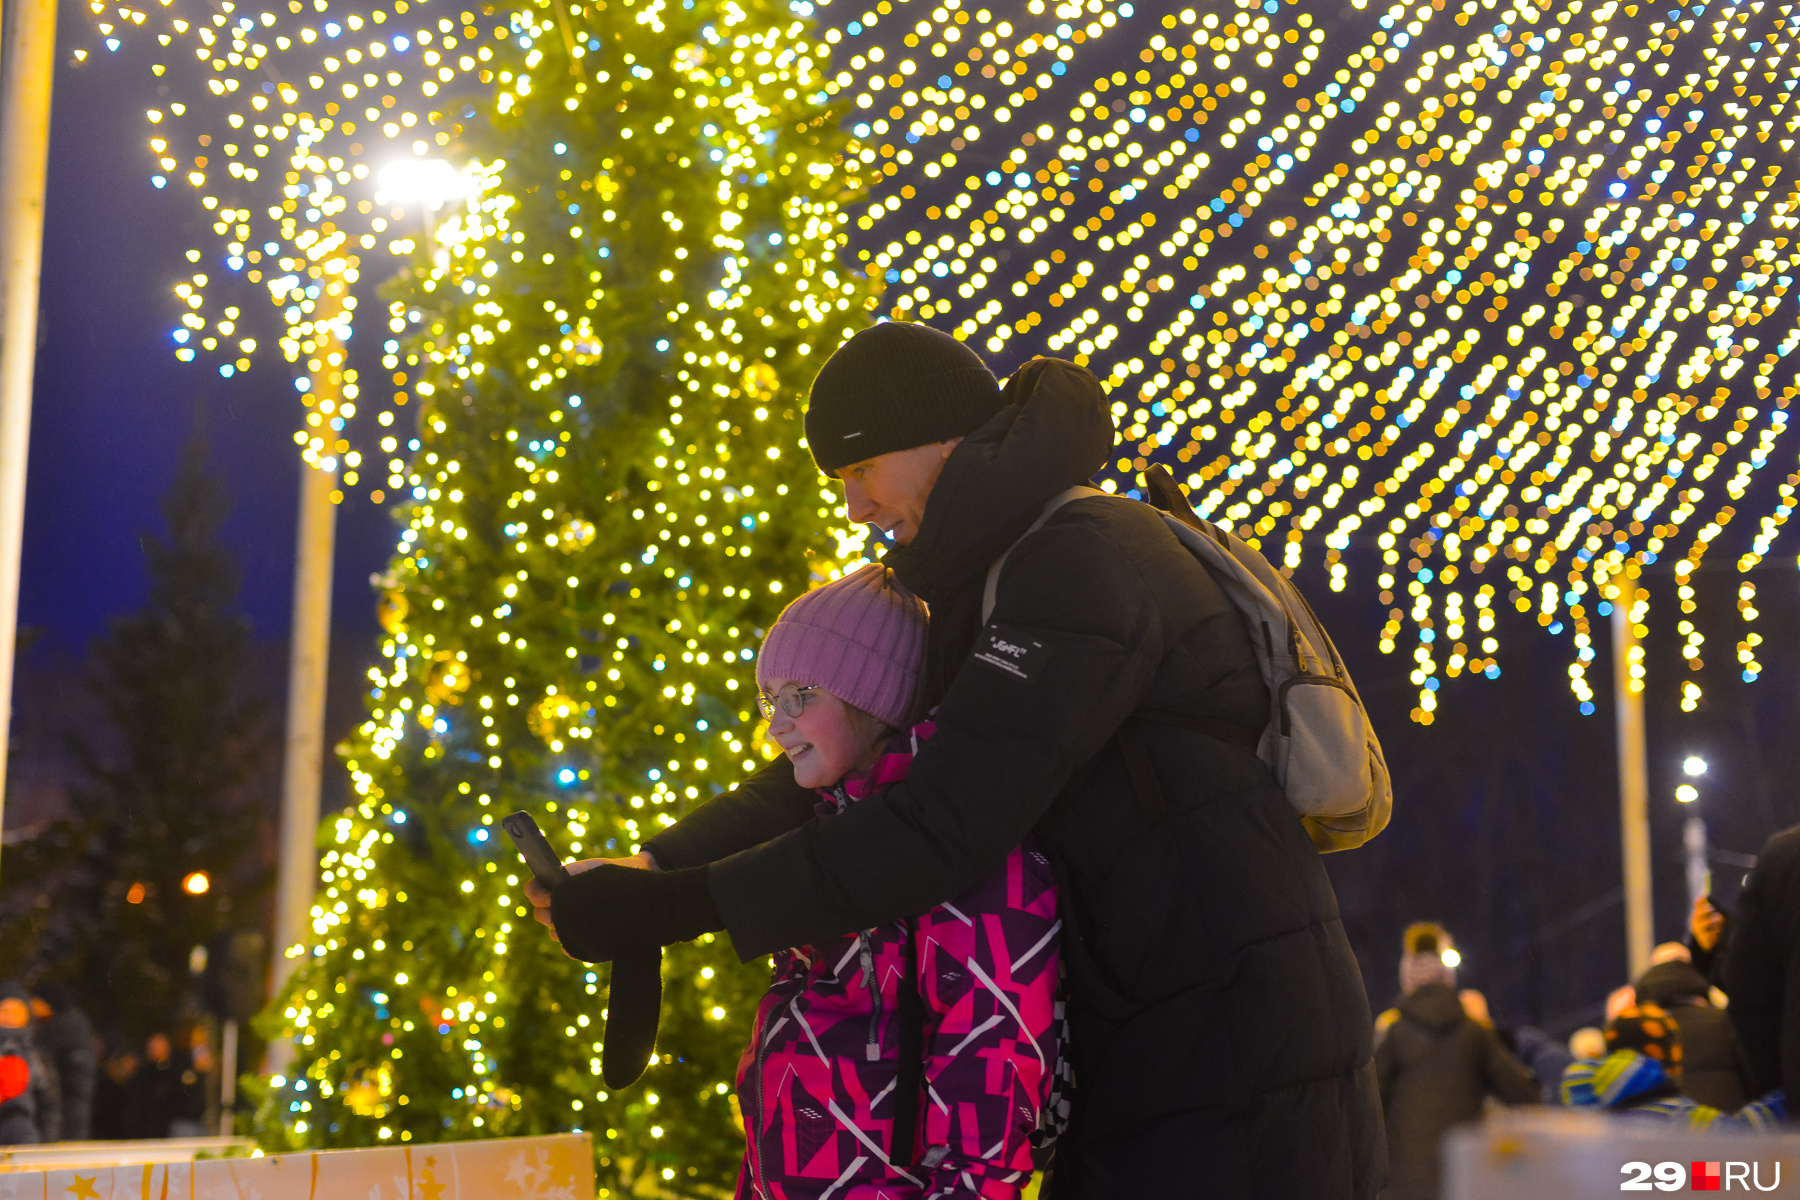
1577,213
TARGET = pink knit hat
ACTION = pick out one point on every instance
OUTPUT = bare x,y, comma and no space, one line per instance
861,638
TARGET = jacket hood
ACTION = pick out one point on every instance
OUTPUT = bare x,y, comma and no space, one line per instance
1054,432
1435,1006
1672,984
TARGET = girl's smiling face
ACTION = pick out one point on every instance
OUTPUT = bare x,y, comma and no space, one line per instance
828,740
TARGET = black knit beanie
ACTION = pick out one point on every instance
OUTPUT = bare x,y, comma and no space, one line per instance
894,386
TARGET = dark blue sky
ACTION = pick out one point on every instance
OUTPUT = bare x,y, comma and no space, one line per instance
113,408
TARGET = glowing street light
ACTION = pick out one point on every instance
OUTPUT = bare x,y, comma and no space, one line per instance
430,182
427,184
1695,765
196,883
1687,793
1451,958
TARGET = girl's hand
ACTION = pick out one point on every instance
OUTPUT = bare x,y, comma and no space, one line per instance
540,896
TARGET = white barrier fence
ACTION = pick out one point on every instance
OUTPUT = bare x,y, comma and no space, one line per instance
558,1167
1549,1154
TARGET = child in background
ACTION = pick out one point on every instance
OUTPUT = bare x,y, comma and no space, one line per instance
914,1059
1641,1076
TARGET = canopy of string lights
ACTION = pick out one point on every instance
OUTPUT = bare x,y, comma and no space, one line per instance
1497,291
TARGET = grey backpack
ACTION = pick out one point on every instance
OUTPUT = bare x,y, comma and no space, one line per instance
1318,743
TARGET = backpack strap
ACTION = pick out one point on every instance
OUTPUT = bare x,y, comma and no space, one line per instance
992,586
1165,495
1229,732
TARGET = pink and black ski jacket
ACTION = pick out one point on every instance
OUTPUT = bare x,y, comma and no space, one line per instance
817,1084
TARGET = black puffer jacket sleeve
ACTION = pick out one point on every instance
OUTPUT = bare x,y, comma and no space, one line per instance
1504,1075
1005,746
764,806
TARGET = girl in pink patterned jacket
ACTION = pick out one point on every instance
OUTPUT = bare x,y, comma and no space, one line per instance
913,1061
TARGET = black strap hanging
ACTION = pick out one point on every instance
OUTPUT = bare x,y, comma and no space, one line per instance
909,1018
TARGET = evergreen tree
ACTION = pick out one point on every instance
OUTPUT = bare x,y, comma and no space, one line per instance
610,501
159,853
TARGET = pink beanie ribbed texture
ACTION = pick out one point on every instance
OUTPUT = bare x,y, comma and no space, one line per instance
861,638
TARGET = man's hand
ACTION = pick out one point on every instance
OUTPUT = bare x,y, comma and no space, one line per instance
1706,924
1475,1006
540,897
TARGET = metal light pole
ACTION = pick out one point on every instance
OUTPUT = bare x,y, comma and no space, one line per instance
228,1067
1693,836
29,45
427,184
308,660
433,182
1699,873
1634,773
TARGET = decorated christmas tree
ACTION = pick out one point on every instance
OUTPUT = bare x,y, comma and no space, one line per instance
610,500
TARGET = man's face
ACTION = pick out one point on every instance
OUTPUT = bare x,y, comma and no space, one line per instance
890,490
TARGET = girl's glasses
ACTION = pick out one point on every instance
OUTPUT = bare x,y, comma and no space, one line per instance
791,699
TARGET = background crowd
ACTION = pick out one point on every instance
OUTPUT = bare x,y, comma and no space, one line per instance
62,1080
1708,1035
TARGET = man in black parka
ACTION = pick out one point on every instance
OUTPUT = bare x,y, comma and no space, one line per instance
1221,1035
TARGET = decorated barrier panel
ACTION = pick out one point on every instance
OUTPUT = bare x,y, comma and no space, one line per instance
1556,1154
559,1167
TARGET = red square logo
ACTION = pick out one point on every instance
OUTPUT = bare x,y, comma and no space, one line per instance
1705,1177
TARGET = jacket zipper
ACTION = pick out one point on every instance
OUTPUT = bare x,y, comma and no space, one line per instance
872,1052
866,952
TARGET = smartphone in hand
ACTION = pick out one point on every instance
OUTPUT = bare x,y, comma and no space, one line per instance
534,848
635,990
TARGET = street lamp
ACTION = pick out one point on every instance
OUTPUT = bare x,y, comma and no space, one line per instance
427,184
431,181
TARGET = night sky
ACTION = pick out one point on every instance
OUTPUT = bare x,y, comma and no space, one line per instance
1505,822
113,408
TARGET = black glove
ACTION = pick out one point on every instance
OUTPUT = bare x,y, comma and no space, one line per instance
633,1008
601,912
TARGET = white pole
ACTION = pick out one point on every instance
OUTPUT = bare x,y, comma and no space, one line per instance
1699,874
228,1067
30,66
307,664
1634,774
